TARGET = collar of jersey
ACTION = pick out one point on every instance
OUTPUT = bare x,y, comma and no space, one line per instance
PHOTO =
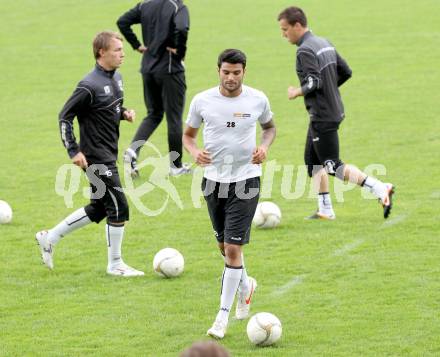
101,69
306,35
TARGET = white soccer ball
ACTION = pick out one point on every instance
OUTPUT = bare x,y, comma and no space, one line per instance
5,212
264,329
267,215
168,263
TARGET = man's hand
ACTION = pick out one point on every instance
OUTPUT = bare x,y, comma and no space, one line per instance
129,115
80,160
142,49
202,157
293,92
172,50
259,155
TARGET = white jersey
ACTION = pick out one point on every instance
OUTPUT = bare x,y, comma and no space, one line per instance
229,132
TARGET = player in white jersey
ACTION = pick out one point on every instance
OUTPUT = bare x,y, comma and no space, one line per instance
232,162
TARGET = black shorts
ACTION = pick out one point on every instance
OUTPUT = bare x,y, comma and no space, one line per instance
322,145
108,199
231,207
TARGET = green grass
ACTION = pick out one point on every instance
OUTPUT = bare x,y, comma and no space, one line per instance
356,286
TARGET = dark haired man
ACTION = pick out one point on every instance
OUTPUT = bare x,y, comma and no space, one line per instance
321,70
97,104
165,26
232,163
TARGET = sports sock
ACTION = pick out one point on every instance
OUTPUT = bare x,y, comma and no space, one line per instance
243,287
376,187
72,222
114,235
325,204
230,280
131,153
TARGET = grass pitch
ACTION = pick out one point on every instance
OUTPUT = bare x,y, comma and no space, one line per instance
356,286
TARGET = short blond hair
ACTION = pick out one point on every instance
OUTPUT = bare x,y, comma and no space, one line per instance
102,41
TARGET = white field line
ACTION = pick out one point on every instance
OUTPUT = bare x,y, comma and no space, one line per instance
297,280
435,194
394,220
348,247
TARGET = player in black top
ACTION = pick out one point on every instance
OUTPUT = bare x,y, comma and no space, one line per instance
97,104
165,26
321,70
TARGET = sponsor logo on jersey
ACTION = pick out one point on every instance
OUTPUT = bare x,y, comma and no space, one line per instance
242,115
107,89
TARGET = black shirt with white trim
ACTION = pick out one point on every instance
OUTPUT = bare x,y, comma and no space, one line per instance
321,70
97,104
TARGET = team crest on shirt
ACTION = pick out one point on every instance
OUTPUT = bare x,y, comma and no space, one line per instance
120,85
107,89
242,115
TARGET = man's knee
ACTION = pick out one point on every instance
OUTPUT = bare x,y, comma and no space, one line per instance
119,213
232,251
334,168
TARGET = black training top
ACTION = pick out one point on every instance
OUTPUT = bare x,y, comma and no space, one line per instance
321,71
165,23
97,103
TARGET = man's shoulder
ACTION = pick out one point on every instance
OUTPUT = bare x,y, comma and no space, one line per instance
207,94
312,43
174,5
90,79
253,92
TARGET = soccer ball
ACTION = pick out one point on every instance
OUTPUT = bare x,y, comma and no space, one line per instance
5,213
264,329
168,263
267,215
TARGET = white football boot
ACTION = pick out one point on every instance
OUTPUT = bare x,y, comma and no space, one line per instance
244,300
184,170
46,249
218,329
124,270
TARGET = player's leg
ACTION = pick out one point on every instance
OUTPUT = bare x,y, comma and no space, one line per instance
238,218
155,111
319,176
216,210
248,193
328,151
117,212
173,94
383,191
47,239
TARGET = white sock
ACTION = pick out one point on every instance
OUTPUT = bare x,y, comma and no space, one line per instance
114,237
325,204
132,153
244,281
72,222
230,281
243,287
376,187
